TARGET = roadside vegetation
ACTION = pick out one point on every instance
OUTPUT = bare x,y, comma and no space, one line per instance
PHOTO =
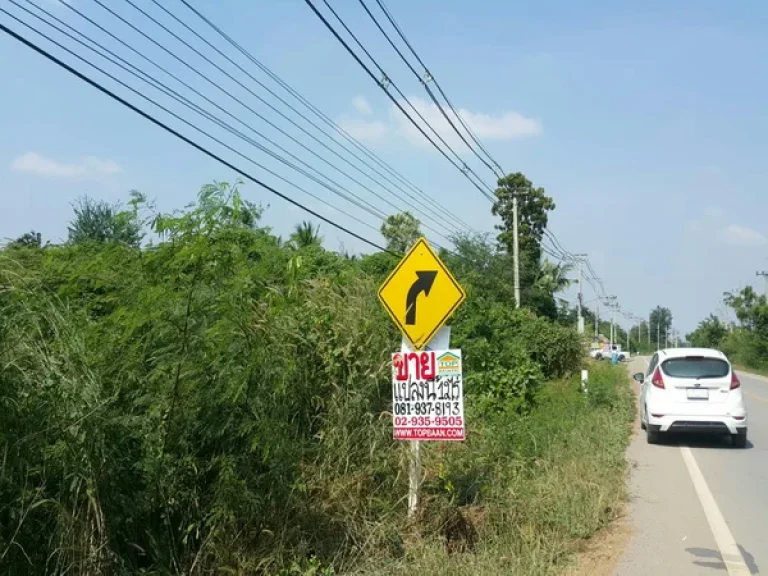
745,342
188,393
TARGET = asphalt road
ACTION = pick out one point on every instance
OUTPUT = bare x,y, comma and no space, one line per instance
698,505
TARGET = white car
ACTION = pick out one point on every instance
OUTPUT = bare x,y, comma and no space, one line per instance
600,353
692,390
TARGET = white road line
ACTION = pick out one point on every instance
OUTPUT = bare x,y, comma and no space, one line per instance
729,550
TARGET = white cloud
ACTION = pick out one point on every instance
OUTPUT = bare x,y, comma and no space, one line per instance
735,235
364,130
707,220
362,106
507,126
87,167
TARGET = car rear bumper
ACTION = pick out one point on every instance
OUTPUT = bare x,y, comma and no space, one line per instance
699,424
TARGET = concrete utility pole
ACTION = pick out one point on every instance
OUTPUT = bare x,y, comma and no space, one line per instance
611,303
580,318
764,274
629,330
597,319
516,250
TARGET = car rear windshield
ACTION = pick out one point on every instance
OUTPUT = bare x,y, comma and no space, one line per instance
696,367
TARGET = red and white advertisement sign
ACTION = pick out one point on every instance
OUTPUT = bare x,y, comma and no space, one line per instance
428,396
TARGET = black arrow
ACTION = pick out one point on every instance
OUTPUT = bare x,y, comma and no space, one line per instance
423,284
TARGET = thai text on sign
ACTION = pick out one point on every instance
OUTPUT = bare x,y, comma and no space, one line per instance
428,395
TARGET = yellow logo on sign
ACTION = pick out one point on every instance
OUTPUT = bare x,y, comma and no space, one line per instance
420,294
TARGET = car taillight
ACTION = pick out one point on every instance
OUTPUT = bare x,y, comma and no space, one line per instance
657,379
735,382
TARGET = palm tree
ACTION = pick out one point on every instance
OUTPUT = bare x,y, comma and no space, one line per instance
306,235
553,277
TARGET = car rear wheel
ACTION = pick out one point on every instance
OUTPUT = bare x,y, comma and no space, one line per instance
653,436
740,439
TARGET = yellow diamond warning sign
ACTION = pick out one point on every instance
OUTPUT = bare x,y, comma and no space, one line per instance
420,294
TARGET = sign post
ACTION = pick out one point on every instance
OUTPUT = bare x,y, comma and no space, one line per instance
427,385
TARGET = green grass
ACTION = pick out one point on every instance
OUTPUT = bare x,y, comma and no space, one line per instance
547,480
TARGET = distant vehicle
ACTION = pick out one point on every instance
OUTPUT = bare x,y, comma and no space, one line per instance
607,352
692,390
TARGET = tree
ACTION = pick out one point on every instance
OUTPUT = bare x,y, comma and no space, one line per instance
98,221
400,231
30,239
533,206
751,309
553,277
708,334
661,322
306,235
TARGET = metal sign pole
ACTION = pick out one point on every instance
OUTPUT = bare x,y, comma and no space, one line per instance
441,341
414,477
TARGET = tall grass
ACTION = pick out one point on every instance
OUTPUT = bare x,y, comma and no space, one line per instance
219,403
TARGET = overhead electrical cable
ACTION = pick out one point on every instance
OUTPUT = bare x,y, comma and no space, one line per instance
464,169
402,181
429,77
217,86
431,94
168,128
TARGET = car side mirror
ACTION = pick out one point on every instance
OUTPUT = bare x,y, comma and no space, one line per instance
639,377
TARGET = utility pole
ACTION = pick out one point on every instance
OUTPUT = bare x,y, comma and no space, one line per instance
629,330
612,305
580,318
764,274
649,330
658,335
516,250
597,319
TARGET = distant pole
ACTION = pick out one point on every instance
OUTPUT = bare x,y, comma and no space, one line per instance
579,318
658,335
597,319
628,332
764,274
516,250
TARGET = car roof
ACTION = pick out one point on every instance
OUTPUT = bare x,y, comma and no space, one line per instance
682,352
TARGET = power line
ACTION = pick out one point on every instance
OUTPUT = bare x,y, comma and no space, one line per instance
406,200
177,134
322,116
231,77
334,187
429,77
143,76
465,170
424,82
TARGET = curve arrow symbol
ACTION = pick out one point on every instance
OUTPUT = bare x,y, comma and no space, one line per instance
425,280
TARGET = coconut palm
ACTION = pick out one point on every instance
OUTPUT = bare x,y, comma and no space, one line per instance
553,277
306,235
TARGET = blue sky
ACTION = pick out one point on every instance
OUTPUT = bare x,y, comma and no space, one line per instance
645,121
